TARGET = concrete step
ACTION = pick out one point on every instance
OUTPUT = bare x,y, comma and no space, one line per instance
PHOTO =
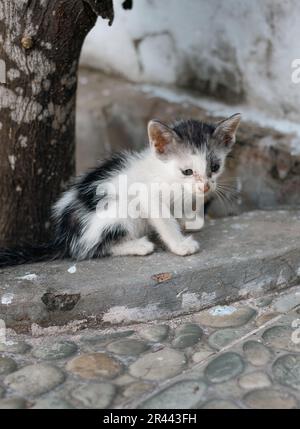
241,257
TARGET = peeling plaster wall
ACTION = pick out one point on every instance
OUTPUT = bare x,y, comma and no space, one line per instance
236,50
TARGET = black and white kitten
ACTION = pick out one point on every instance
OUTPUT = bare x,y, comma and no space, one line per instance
87,222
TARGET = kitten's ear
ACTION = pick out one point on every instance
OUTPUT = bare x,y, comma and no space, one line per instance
162,138
226,130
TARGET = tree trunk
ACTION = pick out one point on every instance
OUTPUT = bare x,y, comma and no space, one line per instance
40,44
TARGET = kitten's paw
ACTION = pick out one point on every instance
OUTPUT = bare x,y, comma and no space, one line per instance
144,247
189,246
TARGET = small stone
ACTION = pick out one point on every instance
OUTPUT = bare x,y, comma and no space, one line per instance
7,365
226,317
33,380
136,390
219,404
254,380
155,333
124,380
265,318
269,399
264,302
95,365
94,396
286,370
12,404
280,337
162,277
187,336
128,347
52,402
256,353
224,368
181,395
223,337
107,337
19,347
202,354
158,366
55,351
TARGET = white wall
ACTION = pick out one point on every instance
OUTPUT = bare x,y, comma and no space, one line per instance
237,50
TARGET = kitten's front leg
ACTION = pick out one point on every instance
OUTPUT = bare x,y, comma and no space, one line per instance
192,224
169,231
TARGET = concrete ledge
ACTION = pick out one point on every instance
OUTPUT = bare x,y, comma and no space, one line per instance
241,257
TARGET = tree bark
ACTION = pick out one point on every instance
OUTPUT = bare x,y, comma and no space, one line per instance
40,44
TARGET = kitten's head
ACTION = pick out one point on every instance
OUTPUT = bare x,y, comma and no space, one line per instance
194,152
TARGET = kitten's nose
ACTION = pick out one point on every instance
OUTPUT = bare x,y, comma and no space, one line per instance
206,188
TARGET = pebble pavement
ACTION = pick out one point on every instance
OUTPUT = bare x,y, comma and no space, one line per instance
245,355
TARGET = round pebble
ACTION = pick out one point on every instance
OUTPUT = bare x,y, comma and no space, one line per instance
52,402
254,380
124,380
55,351
286,370
135,390
94,366
202,354
226,317
223,338
269,399
287,302
12,404
155,333
280,337
264,302
182,395
265,318
224,368
128,347
219,404
33,380
256,353
158,366
107,337
187,336
94,396
18,347
7,365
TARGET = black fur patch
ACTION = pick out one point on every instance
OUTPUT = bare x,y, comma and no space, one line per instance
87,186
194,132
108,239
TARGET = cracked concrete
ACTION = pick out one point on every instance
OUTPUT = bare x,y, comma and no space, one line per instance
241,257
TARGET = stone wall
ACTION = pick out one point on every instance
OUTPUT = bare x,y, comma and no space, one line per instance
236,50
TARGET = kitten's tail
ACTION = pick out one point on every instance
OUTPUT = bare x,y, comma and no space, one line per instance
30,254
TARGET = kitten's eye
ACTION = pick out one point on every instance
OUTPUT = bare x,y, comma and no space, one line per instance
215,168
187,172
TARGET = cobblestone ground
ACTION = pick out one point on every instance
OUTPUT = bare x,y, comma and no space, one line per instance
241,356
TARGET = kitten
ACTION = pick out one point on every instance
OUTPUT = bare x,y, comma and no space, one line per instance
190,154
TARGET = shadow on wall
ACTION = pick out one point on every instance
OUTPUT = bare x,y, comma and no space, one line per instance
235,51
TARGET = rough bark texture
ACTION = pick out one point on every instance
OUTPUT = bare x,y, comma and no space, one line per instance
40,43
